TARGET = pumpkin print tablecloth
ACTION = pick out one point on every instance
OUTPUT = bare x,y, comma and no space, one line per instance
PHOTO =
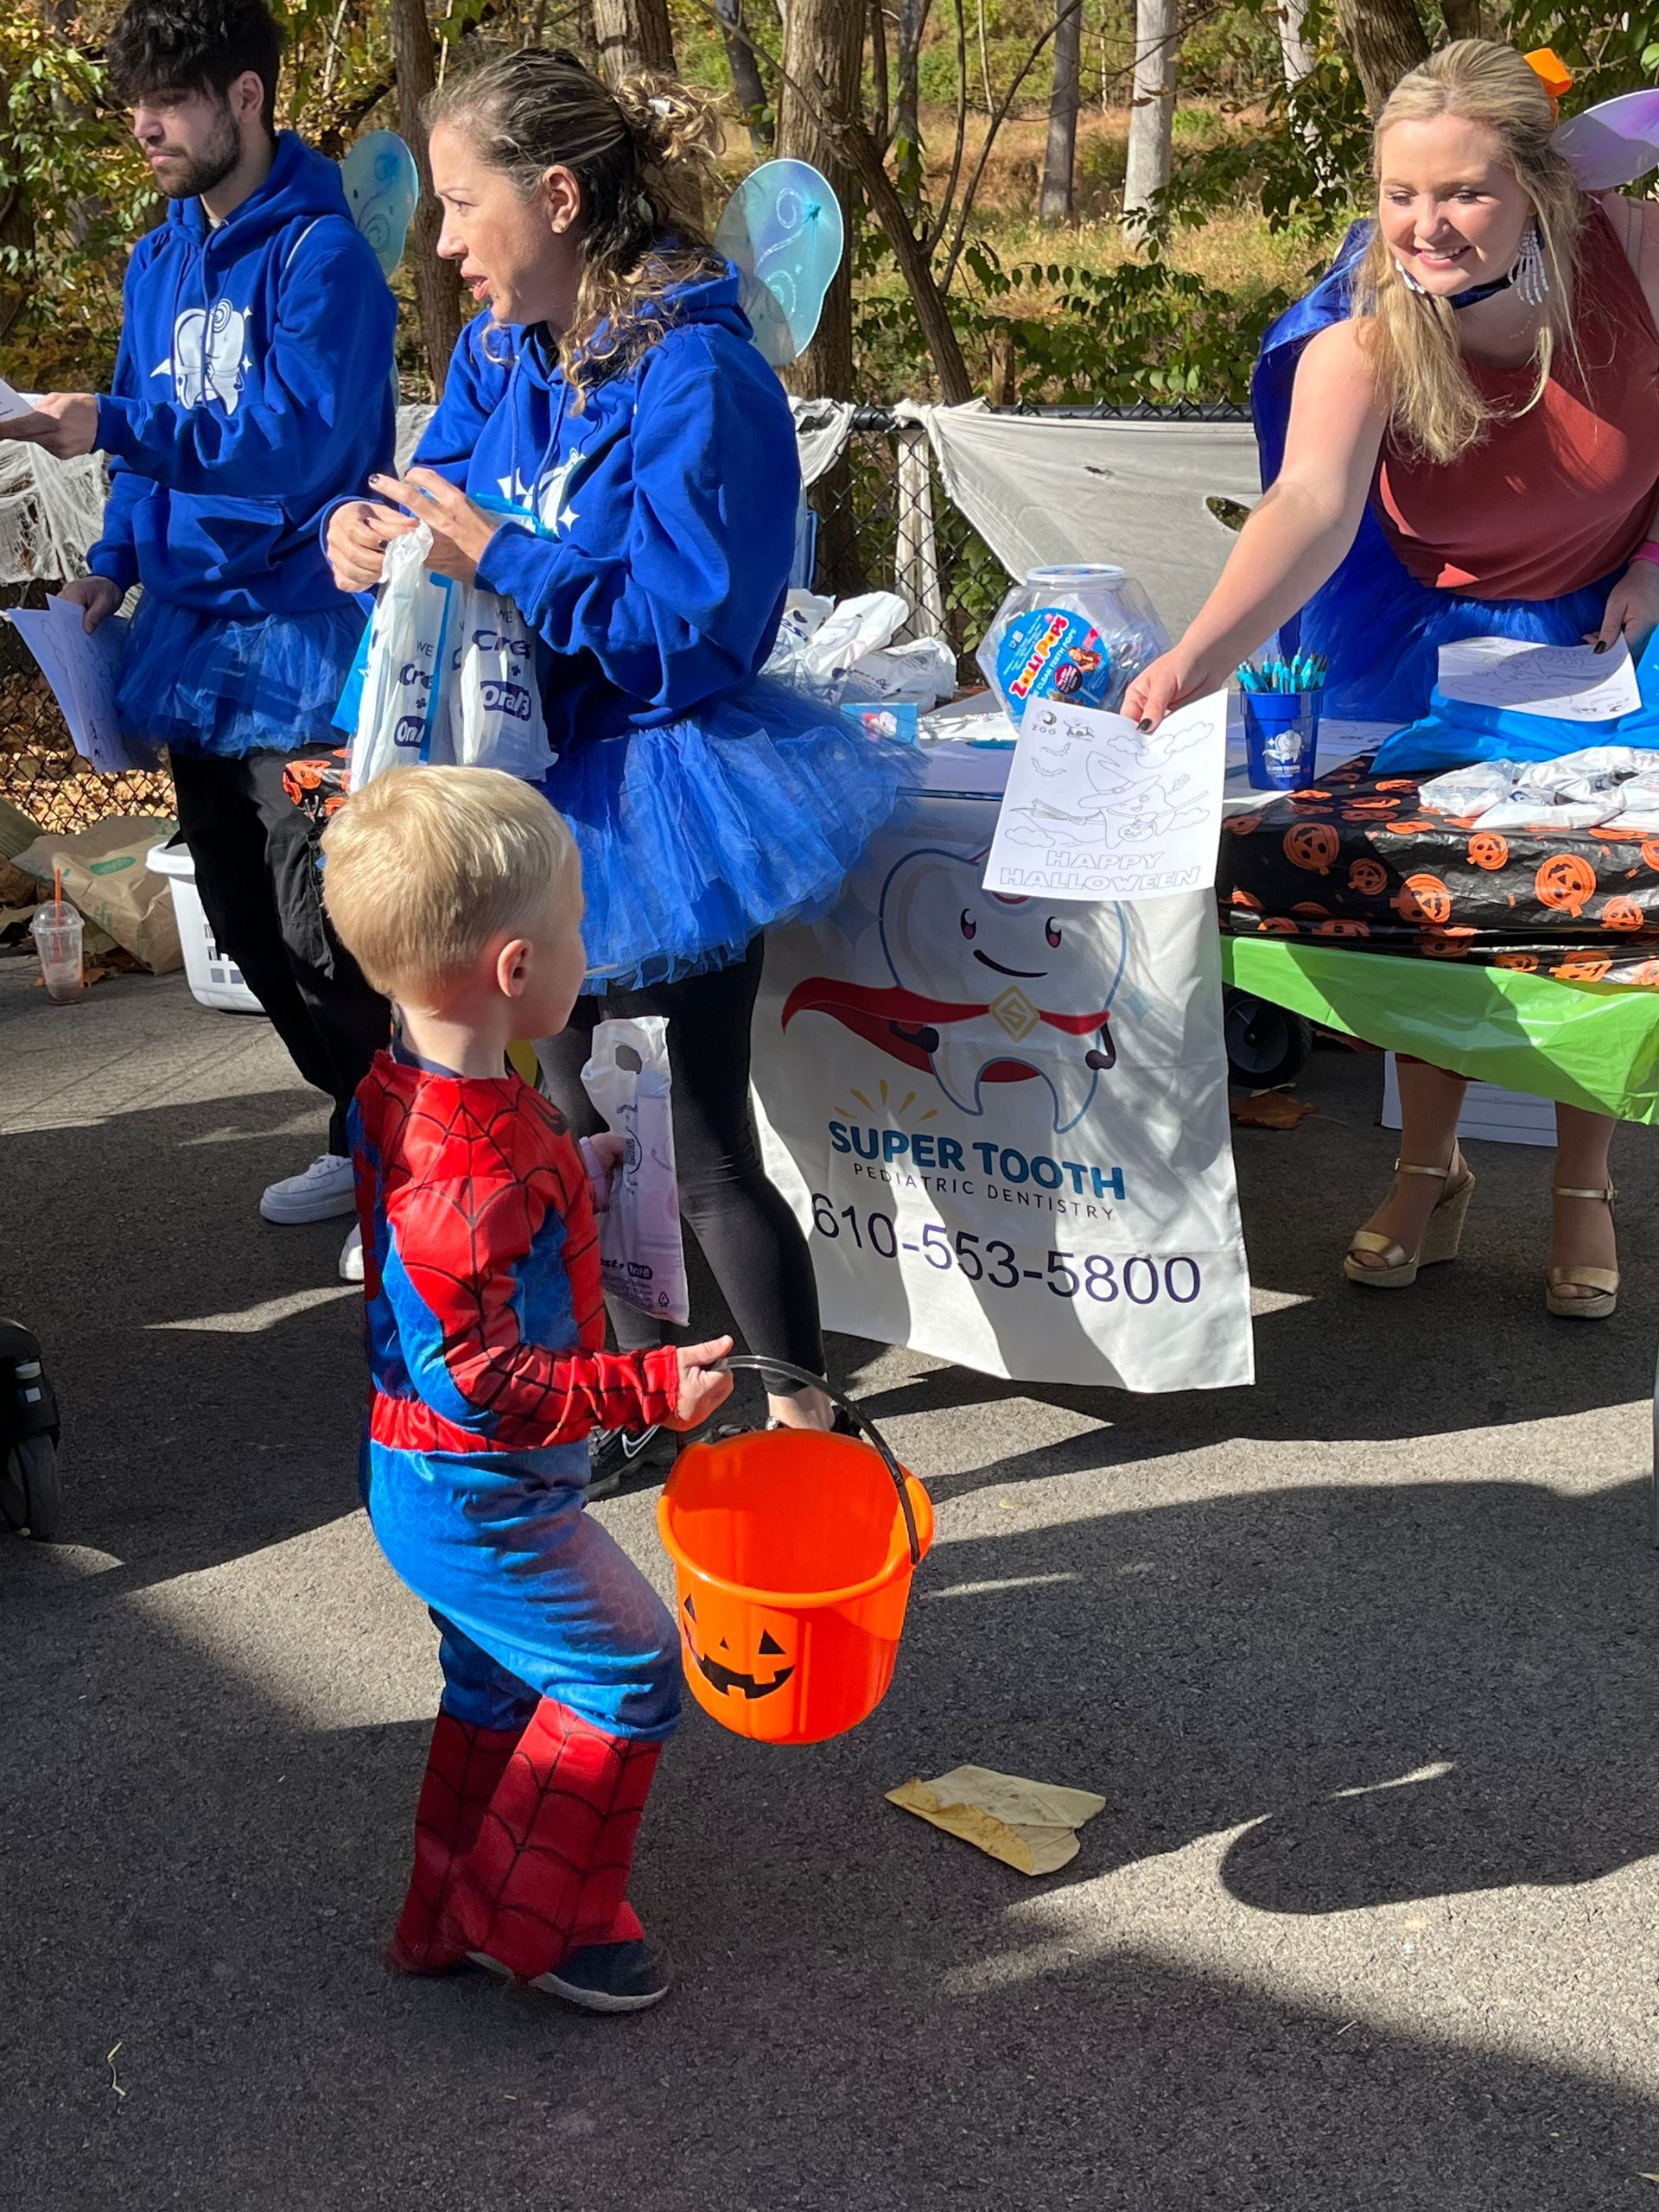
1360,862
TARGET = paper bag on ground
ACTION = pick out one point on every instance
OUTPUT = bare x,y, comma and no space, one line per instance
641,1254
107,879
1030,1826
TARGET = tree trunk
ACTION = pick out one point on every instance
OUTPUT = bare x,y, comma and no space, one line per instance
824,59
632,34
912,22
1294,51
1059,163
1464,18
1152,115
1386,38
437,288
750,92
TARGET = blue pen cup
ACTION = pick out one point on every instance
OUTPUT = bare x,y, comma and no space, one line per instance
1281,738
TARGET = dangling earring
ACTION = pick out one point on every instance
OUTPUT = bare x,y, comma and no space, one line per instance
1529,274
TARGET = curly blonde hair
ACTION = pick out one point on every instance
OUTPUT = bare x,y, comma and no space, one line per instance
1435,407
643,154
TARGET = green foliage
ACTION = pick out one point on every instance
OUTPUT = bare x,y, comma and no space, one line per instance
83,194
1142,332
1304,162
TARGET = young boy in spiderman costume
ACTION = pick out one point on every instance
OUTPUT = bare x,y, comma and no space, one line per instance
458,891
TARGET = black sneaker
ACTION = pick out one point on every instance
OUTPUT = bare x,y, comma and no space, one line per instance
610,1978
613,1454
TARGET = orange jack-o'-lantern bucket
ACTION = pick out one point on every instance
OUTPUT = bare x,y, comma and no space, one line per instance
793,1551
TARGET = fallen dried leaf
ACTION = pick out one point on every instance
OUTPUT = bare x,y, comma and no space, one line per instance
1270,1109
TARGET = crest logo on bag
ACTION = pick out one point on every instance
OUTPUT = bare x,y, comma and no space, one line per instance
499,641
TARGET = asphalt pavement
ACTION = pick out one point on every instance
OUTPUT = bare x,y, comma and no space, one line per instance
1363,1659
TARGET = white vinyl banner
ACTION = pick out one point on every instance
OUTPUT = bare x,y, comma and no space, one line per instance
1003,1121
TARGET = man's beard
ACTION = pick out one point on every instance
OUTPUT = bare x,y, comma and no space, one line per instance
212,165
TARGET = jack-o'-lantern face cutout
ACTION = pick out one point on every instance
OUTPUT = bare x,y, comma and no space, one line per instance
1242,825
1343,929
1310,910
1312,846
1582,969
1650,853
1488,850
1366,877
1244,898
1308,797
1565,881
1447,945
1523,963
1424,898
718,1659
1358,808
1621,914
1277,925
1646,977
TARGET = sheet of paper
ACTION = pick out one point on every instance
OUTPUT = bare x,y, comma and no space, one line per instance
84,673
1569,684
12,402
1096,808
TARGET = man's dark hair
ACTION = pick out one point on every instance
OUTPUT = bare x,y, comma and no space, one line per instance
193,46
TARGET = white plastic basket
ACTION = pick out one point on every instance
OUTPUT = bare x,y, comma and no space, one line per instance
213,980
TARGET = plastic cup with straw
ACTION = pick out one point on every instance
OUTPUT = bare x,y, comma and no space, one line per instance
57,931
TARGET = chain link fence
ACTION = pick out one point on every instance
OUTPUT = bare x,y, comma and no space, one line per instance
40,773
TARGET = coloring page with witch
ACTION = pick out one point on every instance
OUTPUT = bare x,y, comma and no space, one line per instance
1097,807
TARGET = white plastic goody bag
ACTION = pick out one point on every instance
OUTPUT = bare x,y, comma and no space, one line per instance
450,676
641,1253
402,713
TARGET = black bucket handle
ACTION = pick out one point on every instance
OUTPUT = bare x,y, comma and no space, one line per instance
761,1362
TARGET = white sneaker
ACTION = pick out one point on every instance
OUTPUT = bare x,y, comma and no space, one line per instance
327,1188
351,1256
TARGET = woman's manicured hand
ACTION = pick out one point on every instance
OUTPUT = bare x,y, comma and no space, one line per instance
64,425
460,530
359,534
1163,684
1632,609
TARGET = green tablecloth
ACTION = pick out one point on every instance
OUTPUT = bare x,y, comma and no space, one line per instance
1591,1045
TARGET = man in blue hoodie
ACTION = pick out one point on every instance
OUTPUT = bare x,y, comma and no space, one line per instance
253,387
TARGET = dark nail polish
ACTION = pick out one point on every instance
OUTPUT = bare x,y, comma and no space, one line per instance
1601,645
1145,723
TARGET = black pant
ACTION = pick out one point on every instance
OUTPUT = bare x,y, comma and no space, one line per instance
256,862
750,1238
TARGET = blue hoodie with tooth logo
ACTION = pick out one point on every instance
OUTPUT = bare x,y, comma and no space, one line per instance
253,386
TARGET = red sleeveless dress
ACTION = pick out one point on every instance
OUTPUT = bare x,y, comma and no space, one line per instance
1558,498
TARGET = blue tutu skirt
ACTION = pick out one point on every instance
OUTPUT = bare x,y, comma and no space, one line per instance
697,835
200,684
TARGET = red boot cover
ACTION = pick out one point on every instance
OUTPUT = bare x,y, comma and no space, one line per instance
549,1870
463,1768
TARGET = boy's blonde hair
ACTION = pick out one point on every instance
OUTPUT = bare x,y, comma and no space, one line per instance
424,866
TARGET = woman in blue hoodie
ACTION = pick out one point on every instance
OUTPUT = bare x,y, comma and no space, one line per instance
612,396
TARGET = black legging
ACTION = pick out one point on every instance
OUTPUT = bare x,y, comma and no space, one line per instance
749,1236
